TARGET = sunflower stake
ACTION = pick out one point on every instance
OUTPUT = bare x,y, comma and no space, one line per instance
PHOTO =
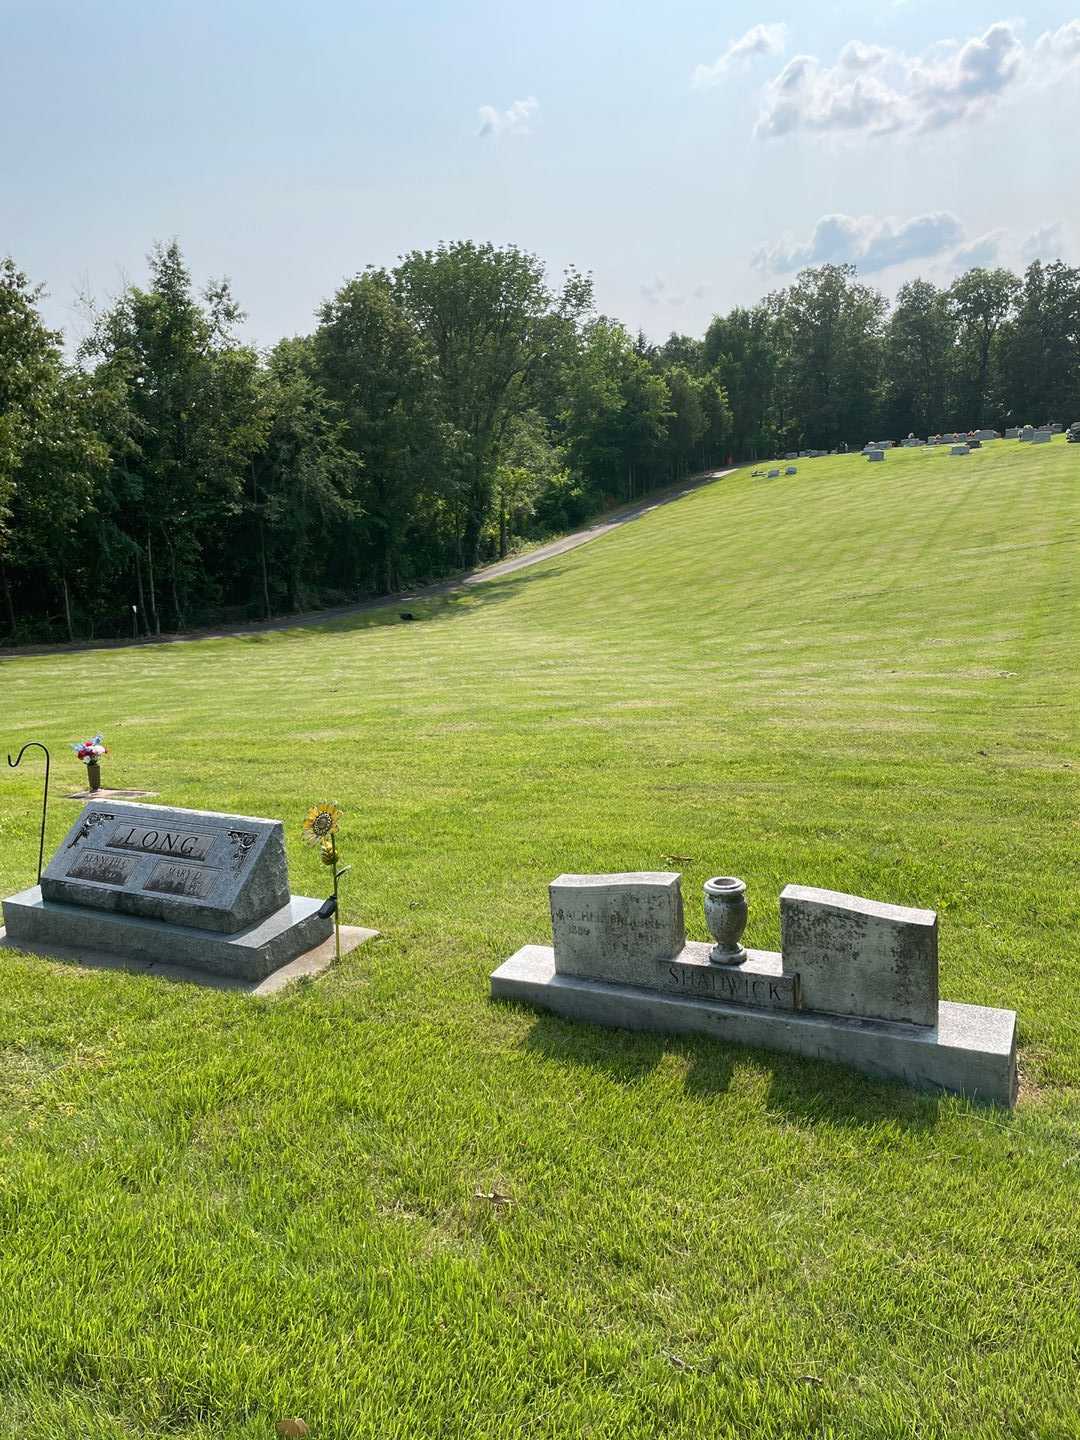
321,828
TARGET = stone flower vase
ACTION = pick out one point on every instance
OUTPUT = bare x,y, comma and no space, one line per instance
726,913
93,775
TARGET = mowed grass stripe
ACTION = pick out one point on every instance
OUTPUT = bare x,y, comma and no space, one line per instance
216,1212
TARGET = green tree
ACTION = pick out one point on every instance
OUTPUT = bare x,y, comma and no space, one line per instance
184,436
918,361
832,326
31,367
491,323
1040,349
980,302
379,372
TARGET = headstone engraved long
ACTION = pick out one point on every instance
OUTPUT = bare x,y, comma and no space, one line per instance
855,983
184,887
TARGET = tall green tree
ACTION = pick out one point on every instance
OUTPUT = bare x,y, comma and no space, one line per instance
832,326
378,369
981,301
919,345
31,367
1040,349
491,323
191,421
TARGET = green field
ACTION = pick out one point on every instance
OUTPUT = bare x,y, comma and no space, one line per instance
217,1211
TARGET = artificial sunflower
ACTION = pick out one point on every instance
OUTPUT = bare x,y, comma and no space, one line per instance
321,823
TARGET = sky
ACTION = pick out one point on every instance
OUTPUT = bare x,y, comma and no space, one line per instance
691,156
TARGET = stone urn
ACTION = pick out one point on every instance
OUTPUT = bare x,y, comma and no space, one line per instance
726,913
93,775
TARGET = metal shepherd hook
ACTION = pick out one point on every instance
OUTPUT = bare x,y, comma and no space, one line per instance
30,744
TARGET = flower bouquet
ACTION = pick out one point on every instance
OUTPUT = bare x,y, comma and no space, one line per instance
90,753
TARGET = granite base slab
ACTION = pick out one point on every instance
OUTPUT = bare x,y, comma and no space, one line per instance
252,954
971,1050
305,967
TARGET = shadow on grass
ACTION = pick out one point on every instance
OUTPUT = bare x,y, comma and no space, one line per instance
807,1092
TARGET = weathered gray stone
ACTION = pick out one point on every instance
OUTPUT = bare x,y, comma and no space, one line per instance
1012,432
970,1049
184,867
1039,437
306,966
860,957
32,921
616,927
791,470
875,454
960,450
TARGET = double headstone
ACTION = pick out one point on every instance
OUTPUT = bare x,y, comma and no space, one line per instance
855,982
184,887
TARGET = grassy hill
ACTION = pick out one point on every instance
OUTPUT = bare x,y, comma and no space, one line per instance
216,1211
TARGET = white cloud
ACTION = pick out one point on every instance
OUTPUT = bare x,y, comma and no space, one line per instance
858,56
866,241
983,251
1059,48
1049,242
871,90
514,121
759,40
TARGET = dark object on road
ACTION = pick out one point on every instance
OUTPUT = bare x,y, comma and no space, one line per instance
406,615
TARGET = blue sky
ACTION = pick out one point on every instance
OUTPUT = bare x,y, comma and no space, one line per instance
691,155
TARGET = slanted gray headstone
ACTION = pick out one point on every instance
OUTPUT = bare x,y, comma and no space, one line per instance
860,957
960,450
192,888
186,867
875,454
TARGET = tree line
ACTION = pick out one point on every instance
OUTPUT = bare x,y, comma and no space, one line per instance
168,475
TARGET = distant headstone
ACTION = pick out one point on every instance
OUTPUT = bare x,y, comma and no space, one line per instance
960,450
1039,437
1056,429
1012,433
792,470
875,454
773,474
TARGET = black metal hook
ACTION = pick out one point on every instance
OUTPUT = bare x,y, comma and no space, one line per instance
30,744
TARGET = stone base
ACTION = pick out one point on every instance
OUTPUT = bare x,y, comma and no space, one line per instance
971,1050
305,967
33,923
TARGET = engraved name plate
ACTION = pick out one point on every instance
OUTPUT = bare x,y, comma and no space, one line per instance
192,882
733,985
101,868
158,840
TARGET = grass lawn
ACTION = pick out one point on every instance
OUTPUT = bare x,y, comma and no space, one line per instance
215,1211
